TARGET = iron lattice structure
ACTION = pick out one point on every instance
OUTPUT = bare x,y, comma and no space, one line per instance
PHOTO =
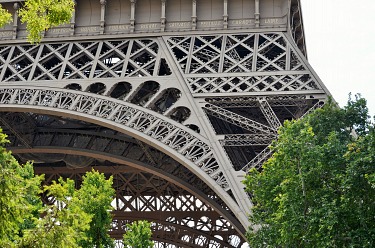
176,99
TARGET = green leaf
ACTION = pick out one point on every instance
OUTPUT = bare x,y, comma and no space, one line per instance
41,15
138,235
5,16
317,190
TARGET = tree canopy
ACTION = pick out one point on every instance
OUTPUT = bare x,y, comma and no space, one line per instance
75,218
19,201
317,190
5,16
40,15
63,224
138,235
94,198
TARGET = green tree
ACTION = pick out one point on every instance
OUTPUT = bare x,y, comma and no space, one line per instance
41,15
75,218
138,235
317,189
5,16
61,224
19,202
94,198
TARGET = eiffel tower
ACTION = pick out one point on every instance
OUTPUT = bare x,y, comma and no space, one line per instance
176,99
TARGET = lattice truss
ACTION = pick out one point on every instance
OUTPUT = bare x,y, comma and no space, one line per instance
248,125
241,63
179,219
82,60
296,25
132,70
250,64
246,70
247,85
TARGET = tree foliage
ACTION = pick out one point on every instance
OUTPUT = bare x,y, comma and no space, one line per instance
138,235
5,16
40,15
18,196
95,197
64,224
317,190
75,218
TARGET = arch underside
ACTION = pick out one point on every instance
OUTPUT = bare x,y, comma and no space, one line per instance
149,184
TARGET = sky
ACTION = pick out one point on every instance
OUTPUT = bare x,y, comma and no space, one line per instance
340,39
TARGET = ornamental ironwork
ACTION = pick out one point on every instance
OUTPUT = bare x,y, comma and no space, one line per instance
177,100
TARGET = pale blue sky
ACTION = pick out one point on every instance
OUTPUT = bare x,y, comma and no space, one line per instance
340,38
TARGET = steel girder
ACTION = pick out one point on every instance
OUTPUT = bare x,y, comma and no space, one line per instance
211,103
178,216
156,188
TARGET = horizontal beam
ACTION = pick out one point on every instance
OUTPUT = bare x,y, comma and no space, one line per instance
164,17
246,74
260,93
90,37
247,139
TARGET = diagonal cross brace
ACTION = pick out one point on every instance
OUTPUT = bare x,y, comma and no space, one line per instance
15,132
270,115
237,119
258,160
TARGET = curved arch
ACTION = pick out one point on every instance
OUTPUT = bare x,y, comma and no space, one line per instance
73,86
135,164
180,114
145,92
97,88
168,97
190,149
120,90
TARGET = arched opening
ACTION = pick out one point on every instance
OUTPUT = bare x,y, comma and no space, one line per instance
146,91
120,90
97,88
73,87
171,145
131,202
180,114
168,98
194,127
